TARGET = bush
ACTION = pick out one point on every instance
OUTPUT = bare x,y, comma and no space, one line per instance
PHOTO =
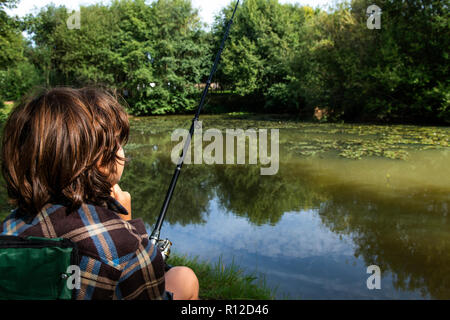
17,80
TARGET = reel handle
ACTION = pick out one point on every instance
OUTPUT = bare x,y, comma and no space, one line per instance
164,247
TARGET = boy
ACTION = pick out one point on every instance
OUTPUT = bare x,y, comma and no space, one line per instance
62,159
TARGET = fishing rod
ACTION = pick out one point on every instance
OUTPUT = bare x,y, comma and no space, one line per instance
165,245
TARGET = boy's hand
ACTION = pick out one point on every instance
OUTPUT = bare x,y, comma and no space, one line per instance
124,198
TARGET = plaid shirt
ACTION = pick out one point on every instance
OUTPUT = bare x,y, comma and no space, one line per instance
117,260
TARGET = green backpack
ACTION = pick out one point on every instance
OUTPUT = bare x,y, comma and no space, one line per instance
33,268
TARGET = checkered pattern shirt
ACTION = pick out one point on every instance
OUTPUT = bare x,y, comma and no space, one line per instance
117,260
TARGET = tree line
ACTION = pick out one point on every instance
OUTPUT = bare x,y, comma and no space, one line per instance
280,58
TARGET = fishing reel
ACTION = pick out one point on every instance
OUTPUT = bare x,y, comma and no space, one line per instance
164,247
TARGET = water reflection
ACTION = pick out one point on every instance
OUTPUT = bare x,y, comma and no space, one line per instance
315,226
409,237
298,256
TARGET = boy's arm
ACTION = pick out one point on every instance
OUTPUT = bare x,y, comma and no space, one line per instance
143,276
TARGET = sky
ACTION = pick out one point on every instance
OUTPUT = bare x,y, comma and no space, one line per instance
207,8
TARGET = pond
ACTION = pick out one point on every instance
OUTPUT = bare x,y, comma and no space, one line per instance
345,197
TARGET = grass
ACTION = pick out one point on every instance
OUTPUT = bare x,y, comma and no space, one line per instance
220,282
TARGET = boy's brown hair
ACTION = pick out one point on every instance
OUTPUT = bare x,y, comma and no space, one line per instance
55,144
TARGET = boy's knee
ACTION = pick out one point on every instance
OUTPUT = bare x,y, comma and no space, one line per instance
190,280
183,282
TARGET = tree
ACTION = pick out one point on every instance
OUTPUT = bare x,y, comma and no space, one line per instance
17,73
279,58
264,37
154,53
11,45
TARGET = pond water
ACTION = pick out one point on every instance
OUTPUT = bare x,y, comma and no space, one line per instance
345,197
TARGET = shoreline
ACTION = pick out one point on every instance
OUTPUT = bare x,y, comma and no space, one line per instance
220,282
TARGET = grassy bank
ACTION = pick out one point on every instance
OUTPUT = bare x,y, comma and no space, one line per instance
220,282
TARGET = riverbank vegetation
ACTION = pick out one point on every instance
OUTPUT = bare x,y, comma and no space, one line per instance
280,58
224,282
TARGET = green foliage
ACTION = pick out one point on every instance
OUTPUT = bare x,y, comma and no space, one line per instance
11,46
280,58
17,74
153,54
263,38
18,79
299,58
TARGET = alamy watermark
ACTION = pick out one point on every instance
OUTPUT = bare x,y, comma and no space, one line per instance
235,141
374,20
73,276
374,281
74,19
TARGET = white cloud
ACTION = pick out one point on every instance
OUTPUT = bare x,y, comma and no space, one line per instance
297,235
